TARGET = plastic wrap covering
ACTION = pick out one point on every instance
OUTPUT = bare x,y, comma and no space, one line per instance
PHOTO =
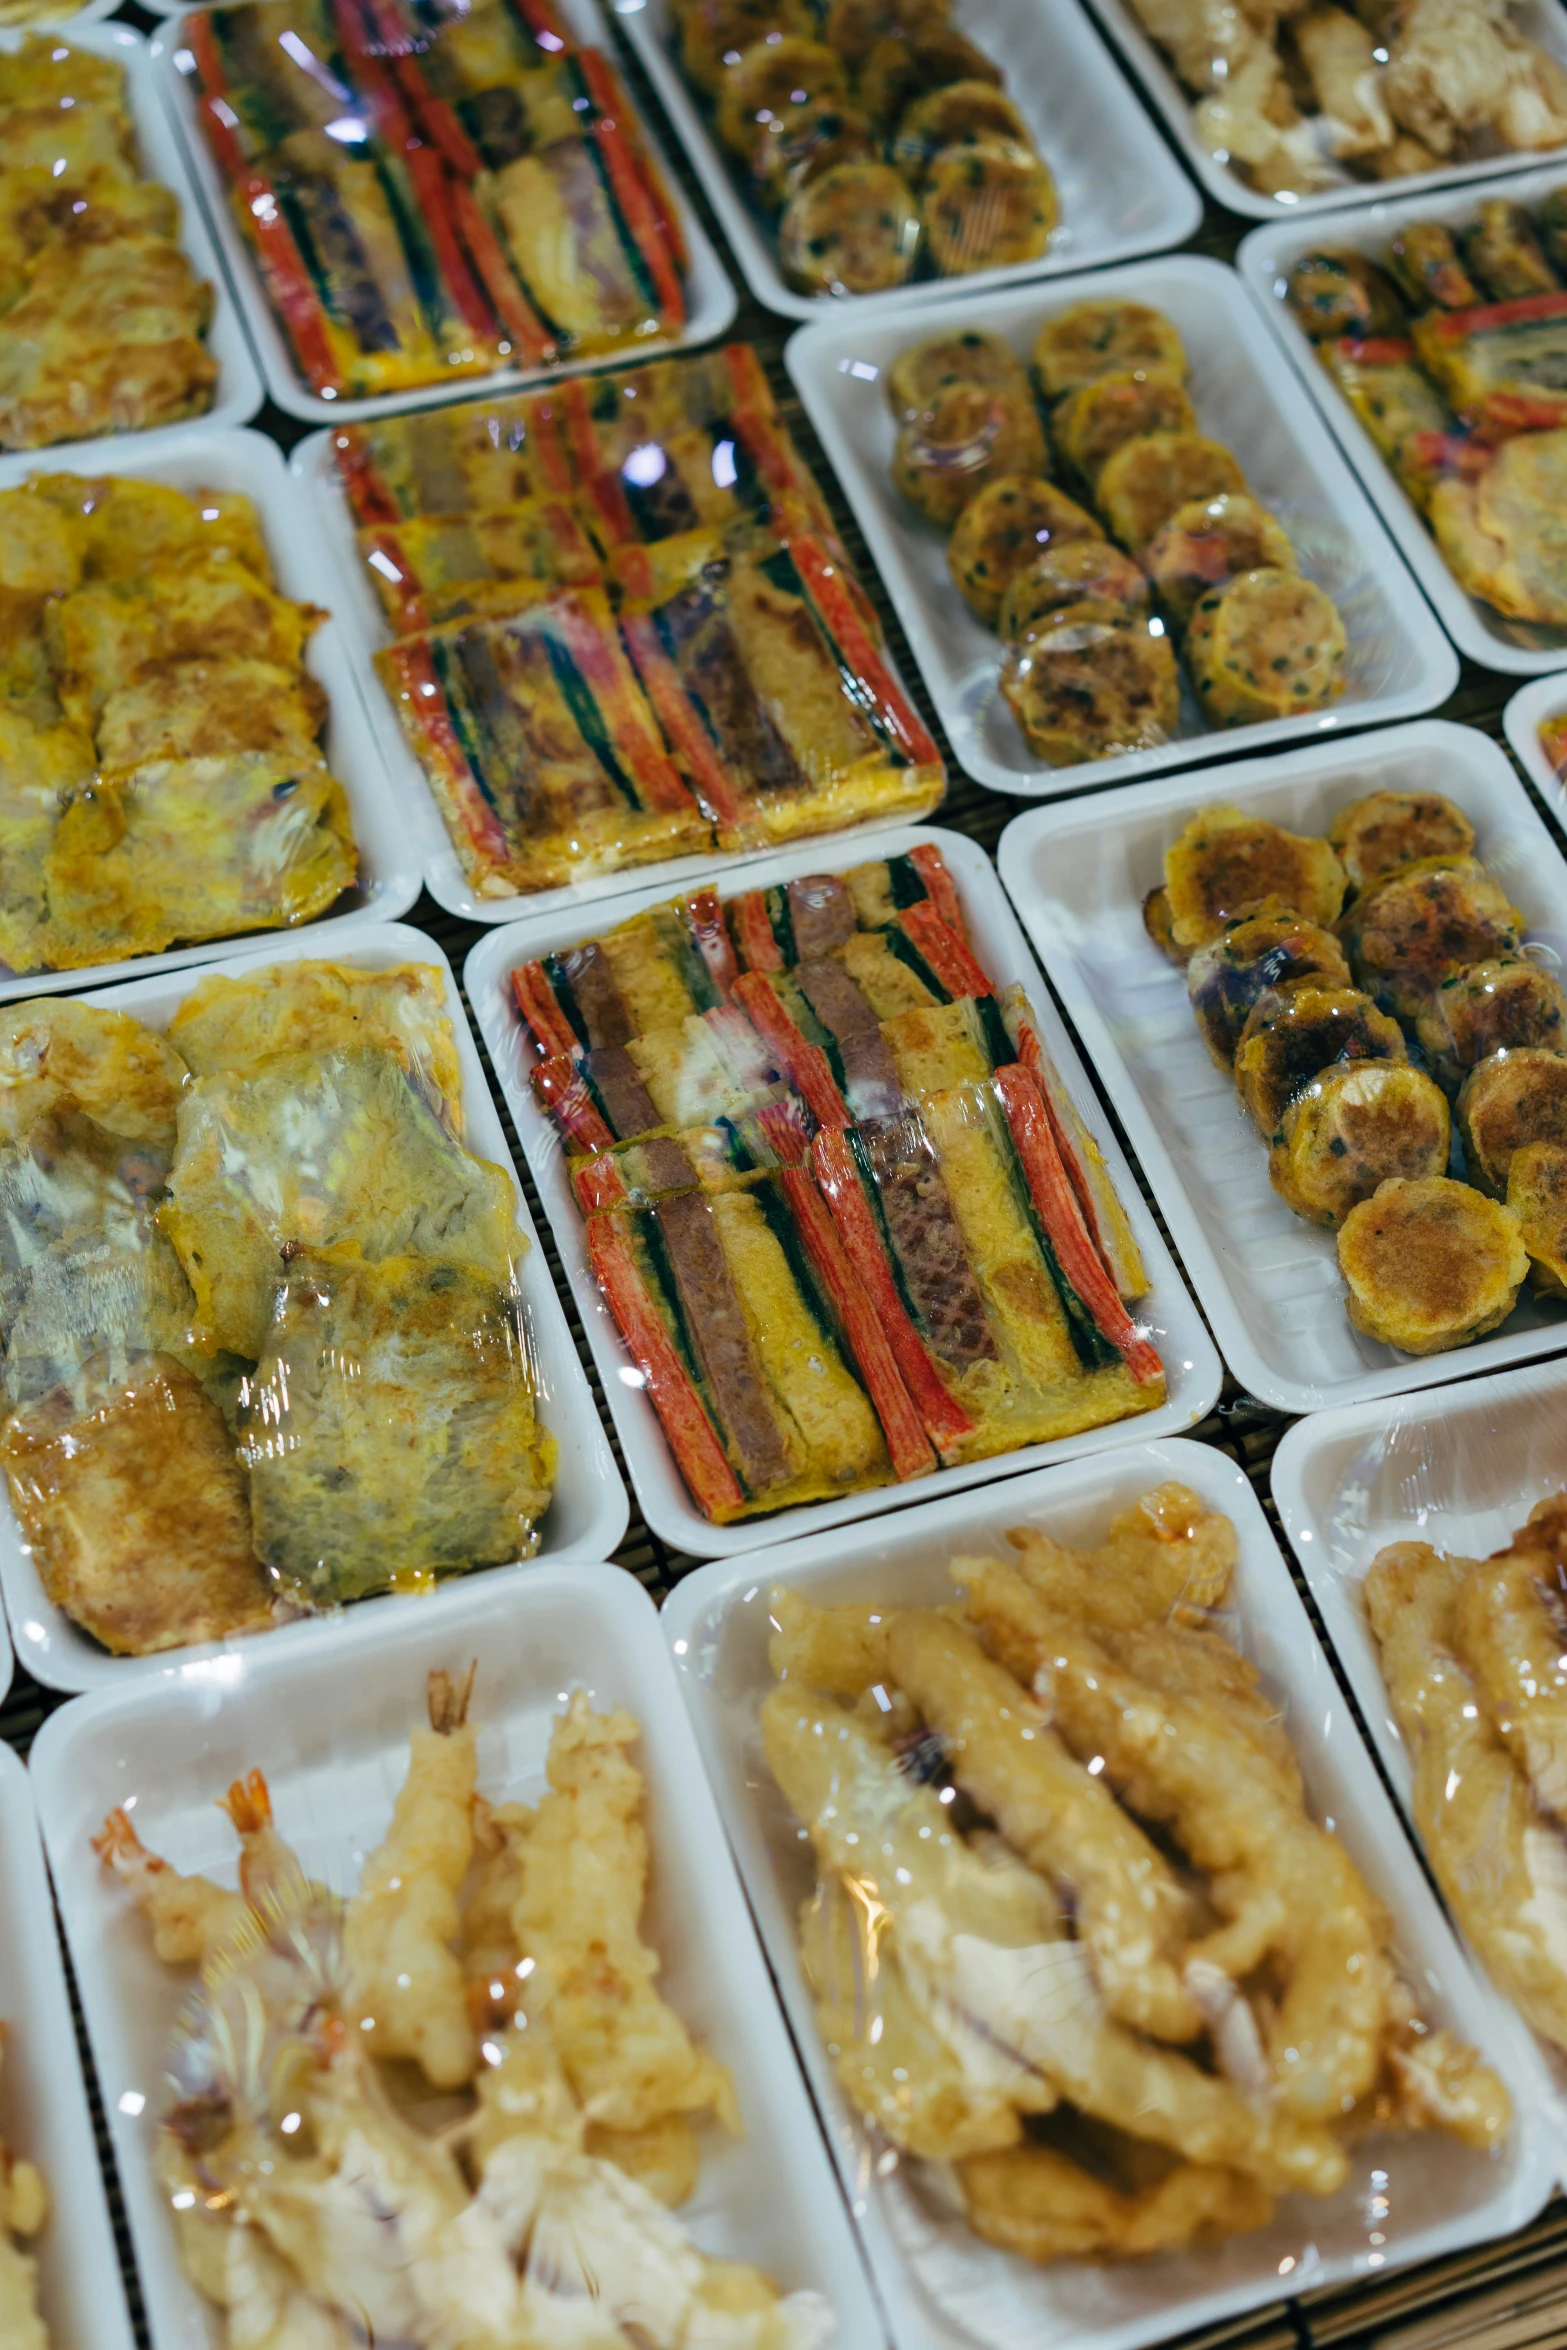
623,628
106,321
847,1221
441,2096
434,193
24,2214
1451,348
1437,1542
161,773
1118,1985
263,1342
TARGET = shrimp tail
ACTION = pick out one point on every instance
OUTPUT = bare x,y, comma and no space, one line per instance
448,1700
248,1805
120,1848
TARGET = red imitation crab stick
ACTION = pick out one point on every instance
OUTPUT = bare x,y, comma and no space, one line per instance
753,930
548,1025
945,1420
829,589
946,950
560,1088
631,191
706,773
908,1448
692,1439
1063,1221
805,1065
931,866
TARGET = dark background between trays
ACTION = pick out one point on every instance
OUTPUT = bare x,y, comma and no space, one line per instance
1510,2295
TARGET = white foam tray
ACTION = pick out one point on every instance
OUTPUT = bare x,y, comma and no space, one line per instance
330,1728
63,20
1443,2196
1192,1368
1541,20
1398,663
1269,1284
365,627
710,298
43,2101
1522,719
1264,260
588,1513
1119,191
237,392
1460,1467
203,457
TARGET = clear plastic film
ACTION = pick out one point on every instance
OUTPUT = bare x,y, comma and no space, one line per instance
1119,1987
92,252
417,1987
487,198
830,1187
1299,104
623,628
165,778
879,144
1434,1544
264,1341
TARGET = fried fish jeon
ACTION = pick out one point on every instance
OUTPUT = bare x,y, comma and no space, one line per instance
1225,864
126,1078
1430,1264
1498,1861
235,1024
1508,1630
1035,2200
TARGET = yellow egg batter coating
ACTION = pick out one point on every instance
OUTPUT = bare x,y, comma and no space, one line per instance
1511,1099
1205,543
1430,1264
1089,682
1295,1033
1150,478
1093,422
1003,529
1268,644
1350,1129
1226,863
1092,339
1069,571
970,434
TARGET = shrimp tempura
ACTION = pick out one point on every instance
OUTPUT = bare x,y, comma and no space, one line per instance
627,2054
190,1917
406,1980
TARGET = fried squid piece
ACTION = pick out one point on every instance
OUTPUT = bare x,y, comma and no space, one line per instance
407,1987
191,1918
1037,2201
1507,1629
839,1650
1168,1558
1131,1915
628,2056
982,1945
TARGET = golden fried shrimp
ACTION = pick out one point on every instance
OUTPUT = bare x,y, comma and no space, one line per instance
406,1983
190,1917
490,1952
979,1939
1166,1558
1182,1761
1036,2201
628,2055
1130,1914
1507,1631
1184,1661
270,1876
1500,1865
841,1650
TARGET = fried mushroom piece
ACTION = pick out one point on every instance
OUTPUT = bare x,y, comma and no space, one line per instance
1510,1002
1420,925
1205,543
773,80
918,376
1093,422
1003,529
1537,1195
1266,950
1352,1128
987,206
1505,1102
1430,1264
1266,645
1294,1033
853,230
1089,682
964,114
970,434
1093,339
1335,292
1225,864
1069,571
1148,479
1386,829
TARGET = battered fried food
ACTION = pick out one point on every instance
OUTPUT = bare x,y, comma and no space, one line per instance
1150,478
1093,422
1252,957
1508,1629
1208,542
1268,644
1297,1031
1509,1001
1010,522
191,1918
1537,1195
1167,1559
56,1049
24,2214
1430,1264
1507,1101
918,375
1498,1861
1225,864
1069,571
1038,2202
1350,1130
969,435
1095,339
1419,926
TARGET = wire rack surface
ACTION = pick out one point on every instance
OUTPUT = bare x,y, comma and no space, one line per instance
1510,2295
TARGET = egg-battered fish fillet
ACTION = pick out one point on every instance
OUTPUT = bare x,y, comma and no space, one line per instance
207,709
1501,1865
234,1026
1166,1558
104,636
126,1077
1035,2200
106,339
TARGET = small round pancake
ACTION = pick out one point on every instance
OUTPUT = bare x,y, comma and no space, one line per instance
1386,829
1092,423
1422,924
1266,950
1092,339
1295,1033
1205,543
963,114
1070,571
987,205
1512,1001
1003,529
853,230
1537,1195
773,80
970,435
853,27
1268,644
919,375
1089,682
1156,921
1150,478
1430,1264
716,34
901,67
1225,864
1352,1128
806,141
1507,1101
